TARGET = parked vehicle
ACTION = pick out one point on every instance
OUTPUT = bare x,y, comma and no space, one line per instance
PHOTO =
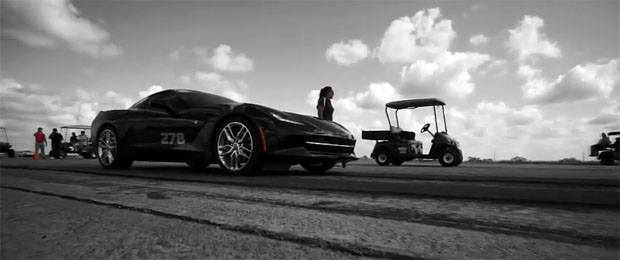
396,146
200,128
86,149
612,152
5,146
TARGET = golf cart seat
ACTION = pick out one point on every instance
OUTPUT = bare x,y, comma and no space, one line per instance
387,135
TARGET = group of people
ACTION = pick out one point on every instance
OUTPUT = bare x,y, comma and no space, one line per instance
40,142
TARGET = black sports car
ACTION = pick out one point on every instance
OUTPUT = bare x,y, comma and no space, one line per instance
200,128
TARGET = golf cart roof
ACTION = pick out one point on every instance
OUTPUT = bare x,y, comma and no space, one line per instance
413,103
76,126
614,133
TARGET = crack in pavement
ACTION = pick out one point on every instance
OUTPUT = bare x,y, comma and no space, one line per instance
558,235
349,248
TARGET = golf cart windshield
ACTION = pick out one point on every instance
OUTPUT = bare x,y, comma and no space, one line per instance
416,103
67,130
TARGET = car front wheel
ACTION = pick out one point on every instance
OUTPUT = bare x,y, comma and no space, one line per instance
239,147
110,150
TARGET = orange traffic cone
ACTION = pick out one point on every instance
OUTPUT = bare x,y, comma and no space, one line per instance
36,156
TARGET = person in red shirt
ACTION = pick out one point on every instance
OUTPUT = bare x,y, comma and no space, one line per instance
40,142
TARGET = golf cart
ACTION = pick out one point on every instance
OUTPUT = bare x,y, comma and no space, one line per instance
612,152
85,149
396,146
5,146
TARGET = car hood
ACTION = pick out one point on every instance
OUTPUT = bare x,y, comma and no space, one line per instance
308,123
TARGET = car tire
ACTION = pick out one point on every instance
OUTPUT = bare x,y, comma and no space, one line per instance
397,162
318,167
383,157
110,150
450,157
238,147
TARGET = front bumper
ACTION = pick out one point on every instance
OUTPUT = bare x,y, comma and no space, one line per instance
301,155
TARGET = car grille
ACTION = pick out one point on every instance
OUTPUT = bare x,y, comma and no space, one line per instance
330,145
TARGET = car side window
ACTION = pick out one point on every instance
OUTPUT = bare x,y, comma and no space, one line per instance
170,98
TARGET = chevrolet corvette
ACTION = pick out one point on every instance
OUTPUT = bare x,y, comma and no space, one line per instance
200,129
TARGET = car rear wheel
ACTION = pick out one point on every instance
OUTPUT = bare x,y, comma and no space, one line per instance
238,147
383,158
110,150
318,167
450,157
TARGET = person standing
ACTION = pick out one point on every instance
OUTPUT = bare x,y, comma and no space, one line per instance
56,144
324,106
40,142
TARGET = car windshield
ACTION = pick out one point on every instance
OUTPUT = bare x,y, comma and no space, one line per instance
199,99
140,103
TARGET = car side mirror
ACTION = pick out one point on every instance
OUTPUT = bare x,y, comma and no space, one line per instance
162,105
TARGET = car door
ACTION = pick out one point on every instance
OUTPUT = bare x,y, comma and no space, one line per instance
158,132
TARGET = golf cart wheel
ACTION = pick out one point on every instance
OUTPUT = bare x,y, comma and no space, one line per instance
607,161
318,167
238,147
89,155
110,150
397,162
383,158
450,157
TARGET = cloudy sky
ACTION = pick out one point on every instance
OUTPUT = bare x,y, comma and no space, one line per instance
538,79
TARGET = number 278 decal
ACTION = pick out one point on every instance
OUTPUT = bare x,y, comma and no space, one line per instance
172,138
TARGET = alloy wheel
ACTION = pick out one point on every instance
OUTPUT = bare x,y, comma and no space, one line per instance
106,147
235,146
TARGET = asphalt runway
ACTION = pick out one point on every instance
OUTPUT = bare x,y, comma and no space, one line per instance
593,185
73,208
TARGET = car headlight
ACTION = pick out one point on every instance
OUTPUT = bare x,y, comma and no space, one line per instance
285,120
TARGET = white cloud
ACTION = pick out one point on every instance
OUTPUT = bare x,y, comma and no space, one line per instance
376,96
347,53
448,75
224,59
528,71
50,23
175,55
605,119
420,37
510,116
216,84
25,107
151,90
478,39
495,127
527,42
589,81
